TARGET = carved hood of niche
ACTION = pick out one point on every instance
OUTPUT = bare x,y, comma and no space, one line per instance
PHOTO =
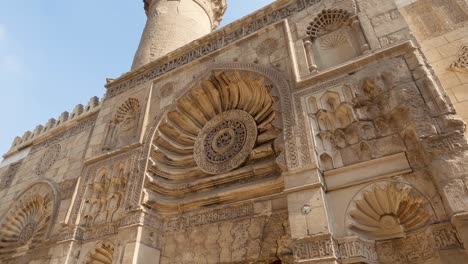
27,223
218,143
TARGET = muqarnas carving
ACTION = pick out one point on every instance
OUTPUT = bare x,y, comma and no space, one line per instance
122,129
461,62
334,36
48,159
348,120
103,253
105,195
28,221
225,126
388,210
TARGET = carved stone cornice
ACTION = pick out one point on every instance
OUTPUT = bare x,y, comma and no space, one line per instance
208,44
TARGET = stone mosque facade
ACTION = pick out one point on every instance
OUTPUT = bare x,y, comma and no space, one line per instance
311,131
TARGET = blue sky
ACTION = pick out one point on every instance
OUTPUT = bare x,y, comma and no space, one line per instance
55,54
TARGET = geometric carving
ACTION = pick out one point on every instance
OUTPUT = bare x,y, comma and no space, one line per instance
327,21
225,142
461,62
430,19
388,210
123,126
102,254
28,221
48,159
334,37
9,175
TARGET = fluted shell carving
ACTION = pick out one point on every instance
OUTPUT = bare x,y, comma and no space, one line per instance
327,21
332,41
127,114
388,210
26,225
102,254
225,126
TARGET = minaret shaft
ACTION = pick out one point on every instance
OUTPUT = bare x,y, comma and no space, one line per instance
174,23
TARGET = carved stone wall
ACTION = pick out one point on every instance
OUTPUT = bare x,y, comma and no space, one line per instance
27,224
222,131
103,253
335,36
9,175
123,128
260,240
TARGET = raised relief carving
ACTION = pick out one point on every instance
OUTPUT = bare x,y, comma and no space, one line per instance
28,221
356,250
48,159
103,253
105,196
167,90
334,36
267,47
123,127
9,175
419,247
208,46
434,18
318,247
227,126
461,61
388,210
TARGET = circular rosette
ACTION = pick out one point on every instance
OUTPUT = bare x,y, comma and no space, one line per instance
225,142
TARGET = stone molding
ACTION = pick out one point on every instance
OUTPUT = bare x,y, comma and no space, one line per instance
384,167
68,122
206,45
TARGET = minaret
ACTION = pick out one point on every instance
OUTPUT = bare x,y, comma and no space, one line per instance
174,23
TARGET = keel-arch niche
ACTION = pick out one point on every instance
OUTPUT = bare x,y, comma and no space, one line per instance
231,130
28,222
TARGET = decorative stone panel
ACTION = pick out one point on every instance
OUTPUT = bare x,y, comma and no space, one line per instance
48,159
9,175
223,131
27,223
122,129
335,36
461,61
432,18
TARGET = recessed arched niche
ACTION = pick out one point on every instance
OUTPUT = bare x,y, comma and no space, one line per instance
333,37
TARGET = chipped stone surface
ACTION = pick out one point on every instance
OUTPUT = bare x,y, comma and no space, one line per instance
314,131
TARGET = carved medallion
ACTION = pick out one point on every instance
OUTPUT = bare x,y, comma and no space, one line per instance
48,159
225,142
